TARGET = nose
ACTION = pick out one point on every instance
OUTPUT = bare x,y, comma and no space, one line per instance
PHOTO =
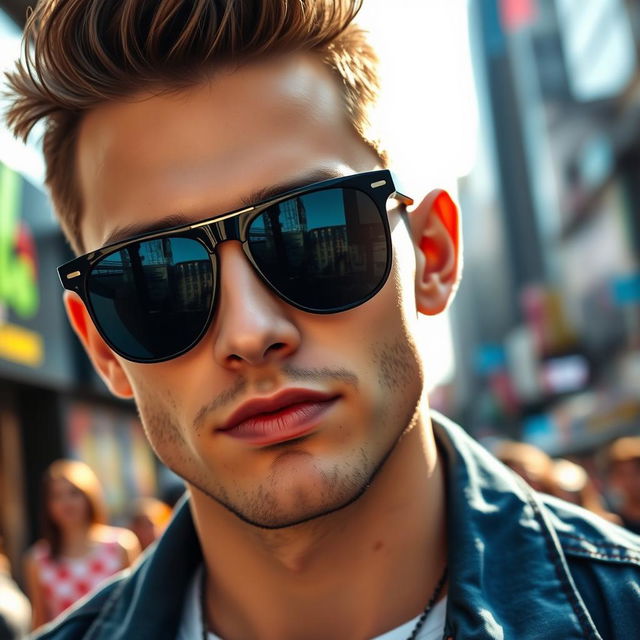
251,327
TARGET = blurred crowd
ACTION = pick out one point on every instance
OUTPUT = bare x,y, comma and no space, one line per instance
78,549
610,488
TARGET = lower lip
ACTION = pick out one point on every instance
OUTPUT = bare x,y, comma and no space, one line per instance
291,422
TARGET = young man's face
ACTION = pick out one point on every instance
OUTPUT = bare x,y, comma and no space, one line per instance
203,151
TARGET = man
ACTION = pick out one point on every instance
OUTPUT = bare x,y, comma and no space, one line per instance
253,281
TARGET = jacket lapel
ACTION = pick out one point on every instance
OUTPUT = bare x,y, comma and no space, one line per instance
508,575
149,605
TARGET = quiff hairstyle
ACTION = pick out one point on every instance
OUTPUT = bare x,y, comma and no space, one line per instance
78,54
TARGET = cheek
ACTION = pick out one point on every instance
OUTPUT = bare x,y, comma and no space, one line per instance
379,342
165,388
397,365
178,388
80,504
54,509
68,506
395,352
395,318
157,401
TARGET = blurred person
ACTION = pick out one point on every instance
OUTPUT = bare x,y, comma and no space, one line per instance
148,519
529,462
623,476
572,483
251,275
78,550
15,610
557,477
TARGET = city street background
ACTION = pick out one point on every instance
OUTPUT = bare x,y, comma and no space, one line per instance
528,111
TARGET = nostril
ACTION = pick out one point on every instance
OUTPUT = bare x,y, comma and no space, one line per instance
276,347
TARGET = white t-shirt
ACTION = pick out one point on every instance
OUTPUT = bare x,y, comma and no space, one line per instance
191,622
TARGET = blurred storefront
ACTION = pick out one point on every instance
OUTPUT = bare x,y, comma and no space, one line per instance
32,349
551,218
51,402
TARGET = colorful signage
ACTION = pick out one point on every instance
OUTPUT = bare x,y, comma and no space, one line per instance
35,341
18,276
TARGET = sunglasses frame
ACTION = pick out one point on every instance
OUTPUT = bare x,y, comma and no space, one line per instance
233,225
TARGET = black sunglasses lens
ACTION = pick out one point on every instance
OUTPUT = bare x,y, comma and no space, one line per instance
324,251
152,299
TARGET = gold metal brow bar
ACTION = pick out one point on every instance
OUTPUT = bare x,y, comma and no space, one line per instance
229,215
374,185
75,274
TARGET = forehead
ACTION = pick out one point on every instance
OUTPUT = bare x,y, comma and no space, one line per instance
630,464
198,151
61,485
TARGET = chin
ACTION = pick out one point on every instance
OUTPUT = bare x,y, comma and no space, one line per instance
272,515
299,494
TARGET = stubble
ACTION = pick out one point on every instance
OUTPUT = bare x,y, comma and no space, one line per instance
334,487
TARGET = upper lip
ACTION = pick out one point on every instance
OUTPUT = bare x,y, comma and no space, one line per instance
271,404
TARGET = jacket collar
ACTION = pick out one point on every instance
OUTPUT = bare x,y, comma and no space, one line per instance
508,577
148,604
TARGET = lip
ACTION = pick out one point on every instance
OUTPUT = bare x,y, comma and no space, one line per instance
286,415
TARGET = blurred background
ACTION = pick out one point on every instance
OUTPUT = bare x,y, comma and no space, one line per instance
529,112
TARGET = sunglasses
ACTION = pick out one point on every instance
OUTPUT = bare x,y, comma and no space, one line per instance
323,248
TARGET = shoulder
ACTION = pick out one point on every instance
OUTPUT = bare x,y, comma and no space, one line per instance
584,534
36,554
124,538
604,563
37,549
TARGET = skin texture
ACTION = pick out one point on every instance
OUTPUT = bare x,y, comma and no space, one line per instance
67,504
207,150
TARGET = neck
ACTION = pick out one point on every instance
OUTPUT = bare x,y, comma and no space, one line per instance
75,540
373,564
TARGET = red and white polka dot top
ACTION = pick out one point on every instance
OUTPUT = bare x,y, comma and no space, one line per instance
65,580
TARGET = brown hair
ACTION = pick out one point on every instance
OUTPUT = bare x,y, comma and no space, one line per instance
81,476
81,53
622,450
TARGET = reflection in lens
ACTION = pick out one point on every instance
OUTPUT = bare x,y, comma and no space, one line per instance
152,298
323,250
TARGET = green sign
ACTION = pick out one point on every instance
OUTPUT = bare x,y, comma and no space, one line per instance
18,270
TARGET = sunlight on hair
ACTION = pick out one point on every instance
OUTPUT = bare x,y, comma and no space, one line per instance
426,117
427,113
25,159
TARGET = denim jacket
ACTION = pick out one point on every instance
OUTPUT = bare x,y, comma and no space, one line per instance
522,566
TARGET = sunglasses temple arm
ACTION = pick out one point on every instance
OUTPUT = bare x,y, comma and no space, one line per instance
406,200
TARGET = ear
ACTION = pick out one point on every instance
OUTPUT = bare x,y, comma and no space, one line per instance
104,360
436,236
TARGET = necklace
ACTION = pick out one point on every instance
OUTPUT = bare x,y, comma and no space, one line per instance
412,636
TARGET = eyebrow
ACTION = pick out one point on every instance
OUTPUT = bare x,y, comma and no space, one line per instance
178,219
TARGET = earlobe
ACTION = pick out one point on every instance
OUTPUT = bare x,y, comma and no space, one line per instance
104,360
436,236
